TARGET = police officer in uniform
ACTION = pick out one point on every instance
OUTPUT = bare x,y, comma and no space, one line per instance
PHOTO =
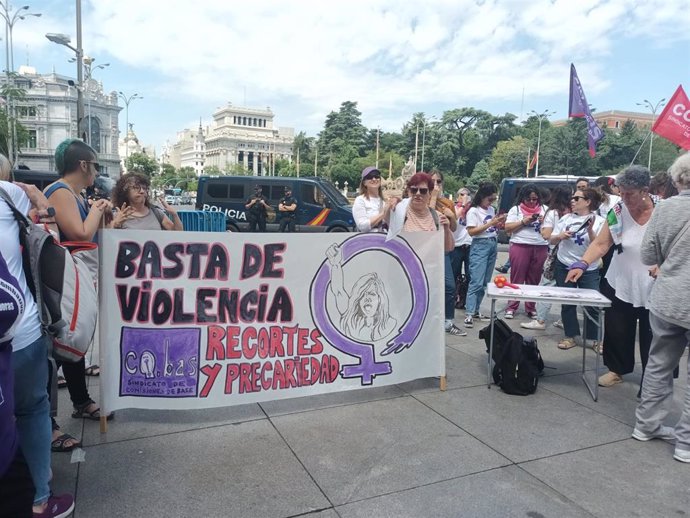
256,206
287,207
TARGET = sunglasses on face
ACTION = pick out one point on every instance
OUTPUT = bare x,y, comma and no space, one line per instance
374,176
532,199
96,165
577,198
419,190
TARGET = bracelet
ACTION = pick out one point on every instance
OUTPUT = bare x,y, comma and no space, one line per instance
579,265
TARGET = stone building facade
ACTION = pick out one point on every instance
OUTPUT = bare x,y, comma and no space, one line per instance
238,139
49,113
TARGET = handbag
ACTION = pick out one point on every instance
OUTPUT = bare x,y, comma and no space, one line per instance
550,264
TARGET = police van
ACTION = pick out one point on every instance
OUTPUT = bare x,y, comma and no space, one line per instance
40,179
320,206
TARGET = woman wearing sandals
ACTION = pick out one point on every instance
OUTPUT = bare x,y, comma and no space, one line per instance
573,234
628,279
77,166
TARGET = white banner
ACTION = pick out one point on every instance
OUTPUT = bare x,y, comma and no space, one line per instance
198,319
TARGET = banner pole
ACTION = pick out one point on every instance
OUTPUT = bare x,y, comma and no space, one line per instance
640,148
101,350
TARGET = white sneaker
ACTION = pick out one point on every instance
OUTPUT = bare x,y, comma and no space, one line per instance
510,315
558,323
665,433
533,324
682,455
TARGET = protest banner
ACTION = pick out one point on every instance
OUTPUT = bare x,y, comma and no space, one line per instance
200,320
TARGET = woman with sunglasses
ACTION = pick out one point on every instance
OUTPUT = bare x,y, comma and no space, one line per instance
628,280
573,234
135,211
528,249
413,214
369,209
77,166
482,225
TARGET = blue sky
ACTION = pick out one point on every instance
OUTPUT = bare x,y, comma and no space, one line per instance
394,58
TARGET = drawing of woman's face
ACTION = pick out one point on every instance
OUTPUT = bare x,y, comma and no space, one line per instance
369,302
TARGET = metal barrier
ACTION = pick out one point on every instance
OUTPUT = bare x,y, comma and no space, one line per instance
202,221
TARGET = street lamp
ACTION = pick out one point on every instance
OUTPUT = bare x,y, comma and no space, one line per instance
424,140
541,117
127,100
653,108
10,19
63,39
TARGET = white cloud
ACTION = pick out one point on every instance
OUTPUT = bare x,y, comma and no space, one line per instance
386,54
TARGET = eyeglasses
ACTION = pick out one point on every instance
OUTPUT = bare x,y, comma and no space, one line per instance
419,190
532,199
578,198
138,187
96,165
374,176
438,181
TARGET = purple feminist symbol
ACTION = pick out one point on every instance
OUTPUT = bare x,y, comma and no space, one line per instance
368,368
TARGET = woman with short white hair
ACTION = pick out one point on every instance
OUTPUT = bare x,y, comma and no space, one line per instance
666,243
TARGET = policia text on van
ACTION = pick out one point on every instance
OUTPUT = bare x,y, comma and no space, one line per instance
320,206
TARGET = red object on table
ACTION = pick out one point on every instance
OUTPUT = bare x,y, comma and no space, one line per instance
502,282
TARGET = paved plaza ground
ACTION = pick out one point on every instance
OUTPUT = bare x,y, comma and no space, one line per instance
397,451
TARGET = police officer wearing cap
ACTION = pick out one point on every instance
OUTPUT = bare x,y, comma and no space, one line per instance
287,207
257,207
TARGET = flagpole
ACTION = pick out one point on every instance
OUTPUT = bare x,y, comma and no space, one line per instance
316,162
416,145
529,150
298,162
377,148
640,148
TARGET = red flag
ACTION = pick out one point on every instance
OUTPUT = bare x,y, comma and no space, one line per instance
534,161
674,122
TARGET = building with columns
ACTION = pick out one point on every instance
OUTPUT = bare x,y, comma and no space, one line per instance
49,113
238,139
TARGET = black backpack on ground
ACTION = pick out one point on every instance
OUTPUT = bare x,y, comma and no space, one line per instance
517,361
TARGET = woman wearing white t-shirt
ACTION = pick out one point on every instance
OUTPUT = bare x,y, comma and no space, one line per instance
528,249
628,276
559,206
574,233
482,223
368,209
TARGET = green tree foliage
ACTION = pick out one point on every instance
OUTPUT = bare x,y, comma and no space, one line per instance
508,159
342,140
141,163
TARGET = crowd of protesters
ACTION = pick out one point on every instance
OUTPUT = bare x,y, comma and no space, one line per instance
616,236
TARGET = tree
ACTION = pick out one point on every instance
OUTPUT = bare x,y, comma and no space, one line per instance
9,94
212,170
343,138
141,163
508,159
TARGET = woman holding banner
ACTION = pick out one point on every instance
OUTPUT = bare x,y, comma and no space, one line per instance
415,214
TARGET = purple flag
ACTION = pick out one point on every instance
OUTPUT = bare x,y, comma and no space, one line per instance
579,108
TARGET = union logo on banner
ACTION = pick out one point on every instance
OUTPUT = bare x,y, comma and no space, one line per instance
674,122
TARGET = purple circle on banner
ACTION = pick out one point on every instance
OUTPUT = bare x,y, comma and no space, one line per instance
368,368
